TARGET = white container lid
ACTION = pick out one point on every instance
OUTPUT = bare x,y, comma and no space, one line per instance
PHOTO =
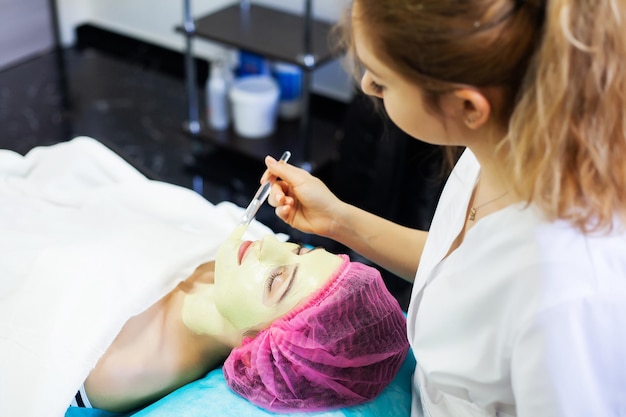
255,88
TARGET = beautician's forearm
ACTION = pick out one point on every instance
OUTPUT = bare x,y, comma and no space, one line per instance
393,247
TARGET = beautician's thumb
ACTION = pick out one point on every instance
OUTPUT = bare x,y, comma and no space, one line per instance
278,169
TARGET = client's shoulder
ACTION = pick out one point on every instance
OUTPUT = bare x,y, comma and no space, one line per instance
203,274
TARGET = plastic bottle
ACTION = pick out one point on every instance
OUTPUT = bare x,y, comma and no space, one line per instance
218,114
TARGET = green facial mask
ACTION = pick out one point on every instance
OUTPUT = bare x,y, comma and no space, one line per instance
257,282
199,312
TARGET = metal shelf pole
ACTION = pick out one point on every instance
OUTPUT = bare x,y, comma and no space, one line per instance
309,60
190,71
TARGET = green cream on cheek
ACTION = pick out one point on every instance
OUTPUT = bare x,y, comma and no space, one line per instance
200,314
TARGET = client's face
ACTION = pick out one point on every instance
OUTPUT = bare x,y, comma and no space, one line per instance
257,282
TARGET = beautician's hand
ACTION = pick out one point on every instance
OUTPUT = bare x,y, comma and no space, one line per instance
302,200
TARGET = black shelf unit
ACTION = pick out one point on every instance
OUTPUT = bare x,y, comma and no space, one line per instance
276,35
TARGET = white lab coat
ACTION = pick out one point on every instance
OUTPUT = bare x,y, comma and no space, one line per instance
526,318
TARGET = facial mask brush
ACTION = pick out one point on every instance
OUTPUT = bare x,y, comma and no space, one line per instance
259,198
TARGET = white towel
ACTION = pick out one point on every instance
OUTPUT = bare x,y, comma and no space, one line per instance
86,242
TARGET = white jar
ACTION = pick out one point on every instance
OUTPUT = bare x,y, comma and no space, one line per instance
254,103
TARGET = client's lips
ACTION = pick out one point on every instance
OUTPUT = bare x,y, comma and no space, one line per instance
242,250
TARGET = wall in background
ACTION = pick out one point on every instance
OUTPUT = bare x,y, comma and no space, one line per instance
25,30
154,21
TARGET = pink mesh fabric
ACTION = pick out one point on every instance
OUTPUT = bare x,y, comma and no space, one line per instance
341,347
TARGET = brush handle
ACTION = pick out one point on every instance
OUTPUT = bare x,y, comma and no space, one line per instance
261,195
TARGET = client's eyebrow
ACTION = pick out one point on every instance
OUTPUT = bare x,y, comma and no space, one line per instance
293,278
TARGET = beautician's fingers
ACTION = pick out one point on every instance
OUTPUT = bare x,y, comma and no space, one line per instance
285,190
301,199
267,175
285,171
277,195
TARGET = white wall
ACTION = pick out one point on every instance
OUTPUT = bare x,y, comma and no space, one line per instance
154,21
25,30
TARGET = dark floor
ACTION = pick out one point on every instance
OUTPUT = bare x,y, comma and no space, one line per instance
139,112
136,110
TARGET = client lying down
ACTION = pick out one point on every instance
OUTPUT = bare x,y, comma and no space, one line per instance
318,332
124,289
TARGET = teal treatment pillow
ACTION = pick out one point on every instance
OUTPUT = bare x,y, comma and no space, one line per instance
211,396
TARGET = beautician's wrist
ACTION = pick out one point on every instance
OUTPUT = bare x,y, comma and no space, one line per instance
340,225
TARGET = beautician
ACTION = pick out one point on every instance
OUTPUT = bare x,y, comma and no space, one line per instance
519,296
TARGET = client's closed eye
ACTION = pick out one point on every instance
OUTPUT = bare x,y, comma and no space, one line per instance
269,283
278,284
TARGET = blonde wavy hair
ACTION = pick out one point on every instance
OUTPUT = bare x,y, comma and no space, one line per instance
562,67
567,136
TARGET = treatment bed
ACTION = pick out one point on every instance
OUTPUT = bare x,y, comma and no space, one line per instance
77,224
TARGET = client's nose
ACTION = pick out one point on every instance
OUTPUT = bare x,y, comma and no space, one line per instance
271,248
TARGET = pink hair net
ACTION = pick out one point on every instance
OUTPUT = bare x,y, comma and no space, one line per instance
342,346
